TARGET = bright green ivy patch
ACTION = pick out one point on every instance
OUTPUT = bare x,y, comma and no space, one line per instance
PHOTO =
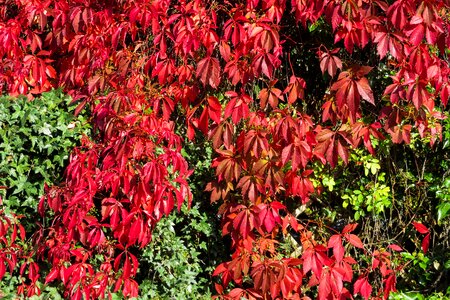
417,296
173,264
37,137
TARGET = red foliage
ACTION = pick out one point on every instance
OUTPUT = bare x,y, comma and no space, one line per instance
423,230
136,63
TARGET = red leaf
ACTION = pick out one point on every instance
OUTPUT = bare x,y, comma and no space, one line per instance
342,151
52,275
330,62
126,268
2,268
265,63
389,285
250,186
208,71
420,227
415,30
244,222
228,167
349,228
335,242
271,96
164,70
350,87
363,287
364,90
218,288
215,109
395,247
315,259
237,108
299,185
354,240
295,89
426,243
203,121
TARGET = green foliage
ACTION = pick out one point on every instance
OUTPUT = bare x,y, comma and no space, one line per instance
174,265
362,187
37,137
8,287
441,186
418,296
372,195
422,263
443,194
48,293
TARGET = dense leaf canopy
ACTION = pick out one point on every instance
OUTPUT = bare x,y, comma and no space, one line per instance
284,92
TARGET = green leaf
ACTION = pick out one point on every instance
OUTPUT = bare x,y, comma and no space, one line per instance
447,183
447,265
408,296
443,211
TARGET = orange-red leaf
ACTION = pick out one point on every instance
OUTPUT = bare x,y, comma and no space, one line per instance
208,71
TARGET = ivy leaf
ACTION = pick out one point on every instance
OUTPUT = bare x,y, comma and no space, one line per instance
443,210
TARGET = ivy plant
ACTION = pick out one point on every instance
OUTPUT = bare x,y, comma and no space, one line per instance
37,137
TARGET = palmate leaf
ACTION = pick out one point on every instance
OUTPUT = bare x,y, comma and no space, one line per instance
330,62
222,135
251,187
271,96
270,169
335,242
363,287
332,145
242,219
299,185
354,240
255,142
350,87
266,274
265,63
297,153
268,216
295,89
237,108
164,70
228,167
315,259
208,71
